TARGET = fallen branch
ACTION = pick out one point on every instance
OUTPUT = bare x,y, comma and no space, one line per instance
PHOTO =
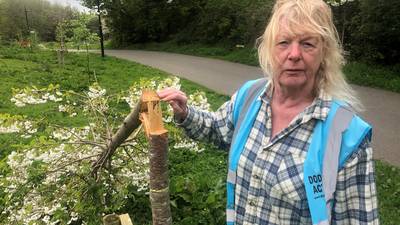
130,123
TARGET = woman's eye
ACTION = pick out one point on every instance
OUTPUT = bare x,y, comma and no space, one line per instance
283,43
308,45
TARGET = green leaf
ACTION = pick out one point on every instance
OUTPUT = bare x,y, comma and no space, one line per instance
186,197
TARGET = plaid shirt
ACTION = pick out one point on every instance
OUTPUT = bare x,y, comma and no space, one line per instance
270,187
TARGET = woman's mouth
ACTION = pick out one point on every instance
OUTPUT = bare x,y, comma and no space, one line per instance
293,71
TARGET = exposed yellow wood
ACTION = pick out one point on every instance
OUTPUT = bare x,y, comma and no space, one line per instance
125,219
149,96
151,115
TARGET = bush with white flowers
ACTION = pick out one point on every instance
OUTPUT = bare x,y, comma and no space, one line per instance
51,181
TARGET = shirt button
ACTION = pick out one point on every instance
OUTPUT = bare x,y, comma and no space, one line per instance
256,176
252,202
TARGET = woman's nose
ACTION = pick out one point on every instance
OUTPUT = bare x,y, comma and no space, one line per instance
294,52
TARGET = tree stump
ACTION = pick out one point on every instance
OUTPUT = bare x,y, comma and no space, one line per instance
159,182
151,118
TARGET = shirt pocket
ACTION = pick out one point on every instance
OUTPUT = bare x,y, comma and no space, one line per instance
289,192
290,184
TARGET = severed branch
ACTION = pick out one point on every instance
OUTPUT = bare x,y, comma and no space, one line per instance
70,163
130,123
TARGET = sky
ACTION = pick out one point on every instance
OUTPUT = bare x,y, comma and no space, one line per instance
73,3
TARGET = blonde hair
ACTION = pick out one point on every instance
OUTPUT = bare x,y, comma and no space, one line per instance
313,17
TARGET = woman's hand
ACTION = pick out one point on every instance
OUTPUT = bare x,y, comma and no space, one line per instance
178,101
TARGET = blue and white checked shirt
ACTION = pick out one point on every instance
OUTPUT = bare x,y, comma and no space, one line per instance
270,187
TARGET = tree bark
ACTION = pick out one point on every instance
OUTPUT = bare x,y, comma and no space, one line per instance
159,182
130,123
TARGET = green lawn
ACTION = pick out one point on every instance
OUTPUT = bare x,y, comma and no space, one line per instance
197,180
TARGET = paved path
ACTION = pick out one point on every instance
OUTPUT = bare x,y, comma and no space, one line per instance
382,107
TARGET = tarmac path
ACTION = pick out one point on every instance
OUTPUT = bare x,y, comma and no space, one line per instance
382,107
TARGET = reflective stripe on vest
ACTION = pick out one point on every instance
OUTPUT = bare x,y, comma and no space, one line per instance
326,137
339,136
246,101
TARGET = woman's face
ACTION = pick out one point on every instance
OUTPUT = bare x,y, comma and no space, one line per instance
297,59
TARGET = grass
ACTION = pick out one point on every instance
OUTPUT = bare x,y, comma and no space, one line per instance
388,187
193,176
359,73
387,78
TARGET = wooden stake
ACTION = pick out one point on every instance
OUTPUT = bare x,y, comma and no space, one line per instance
125,219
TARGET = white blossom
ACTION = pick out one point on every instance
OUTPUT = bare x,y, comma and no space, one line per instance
95,91
191,145
135,90
33,95
199,100
10,124
13,128
170,82
62,108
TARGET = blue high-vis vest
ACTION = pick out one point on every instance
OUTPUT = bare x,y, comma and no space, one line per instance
333,141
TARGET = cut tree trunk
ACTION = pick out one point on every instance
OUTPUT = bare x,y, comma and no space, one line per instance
159,182
151,118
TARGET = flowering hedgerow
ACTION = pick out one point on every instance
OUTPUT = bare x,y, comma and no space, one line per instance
50,180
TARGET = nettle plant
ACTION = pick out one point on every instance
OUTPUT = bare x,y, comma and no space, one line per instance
52,181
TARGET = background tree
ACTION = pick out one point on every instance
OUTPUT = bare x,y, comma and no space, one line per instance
343,12
61,36
43,17
97,5
81,34
369,29
374,31
185,21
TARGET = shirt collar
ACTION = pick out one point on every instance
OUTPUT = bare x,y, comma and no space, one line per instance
318,109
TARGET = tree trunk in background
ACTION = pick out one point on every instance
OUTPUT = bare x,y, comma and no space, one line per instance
159,182
100,29
61,52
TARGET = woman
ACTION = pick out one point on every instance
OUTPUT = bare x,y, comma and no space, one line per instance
275,174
